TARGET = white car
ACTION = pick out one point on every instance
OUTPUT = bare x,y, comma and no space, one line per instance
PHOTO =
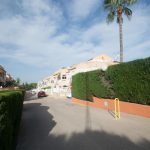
68,95
34,91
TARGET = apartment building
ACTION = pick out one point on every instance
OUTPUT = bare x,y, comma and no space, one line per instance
60,81
2,76
8,77
57,83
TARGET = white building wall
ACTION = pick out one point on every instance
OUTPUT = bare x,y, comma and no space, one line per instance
57,87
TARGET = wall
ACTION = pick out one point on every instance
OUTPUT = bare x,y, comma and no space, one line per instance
130,108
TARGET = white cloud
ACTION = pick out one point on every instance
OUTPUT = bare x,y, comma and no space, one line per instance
79,9
42,8
135,36
39,40
37,7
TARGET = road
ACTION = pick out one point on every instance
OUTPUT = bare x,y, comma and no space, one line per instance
58,124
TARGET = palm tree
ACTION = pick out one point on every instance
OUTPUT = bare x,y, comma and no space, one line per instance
117,8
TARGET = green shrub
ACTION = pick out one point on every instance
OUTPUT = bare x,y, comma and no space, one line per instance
97,86
131,81
127,81
86,85
11,103
79,86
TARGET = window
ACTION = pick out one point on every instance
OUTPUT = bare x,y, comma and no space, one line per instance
52,81
63,76
65,86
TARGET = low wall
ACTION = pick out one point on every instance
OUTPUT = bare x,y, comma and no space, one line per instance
131,108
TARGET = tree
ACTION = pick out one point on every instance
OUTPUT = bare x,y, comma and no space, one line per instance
11,83
29,86
18,81
117,8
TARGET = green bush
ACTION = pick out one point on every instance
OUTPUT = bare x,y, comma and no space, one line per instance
97,85
128,81
86,85
11,103
79,86
131,81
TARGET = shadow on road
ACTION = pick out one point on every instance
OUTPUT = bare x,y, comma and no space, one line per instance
30,96
111,113
37,124
93,140
87,117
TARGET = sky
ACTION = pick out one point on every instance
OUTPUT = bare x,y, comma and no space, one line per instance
38,37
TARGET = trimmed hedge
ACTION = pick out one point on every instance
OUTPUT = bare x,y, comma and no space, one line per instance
11,103
128,81
79,86
98,86
131,81
86,85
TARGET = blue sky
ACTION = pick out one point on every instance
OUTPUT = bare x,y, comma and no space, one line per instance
37,37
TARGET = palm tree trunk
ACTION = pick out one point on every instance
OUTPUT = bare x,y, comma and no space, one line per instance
121,38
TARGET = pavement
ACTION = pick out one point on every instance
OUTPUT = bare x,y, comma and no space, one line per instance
54,123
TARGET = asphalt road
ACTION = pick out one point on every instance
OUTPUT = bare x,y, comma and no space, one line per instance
58,124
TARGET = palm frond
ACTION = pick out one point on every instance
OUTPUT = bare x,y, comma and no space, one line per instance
112,6
110,17
107,4
128,2
127,12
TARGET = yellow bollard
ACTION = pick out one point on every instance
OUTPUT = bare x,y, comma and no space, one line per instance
117,108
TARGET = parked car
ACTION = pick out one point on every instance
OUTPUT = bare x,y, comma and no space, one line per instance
33,91
41,94
69,95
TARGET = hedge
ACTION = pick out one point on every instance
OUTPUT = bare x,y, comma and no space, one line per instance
79,86
128,81
131,81
11,103
86,85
